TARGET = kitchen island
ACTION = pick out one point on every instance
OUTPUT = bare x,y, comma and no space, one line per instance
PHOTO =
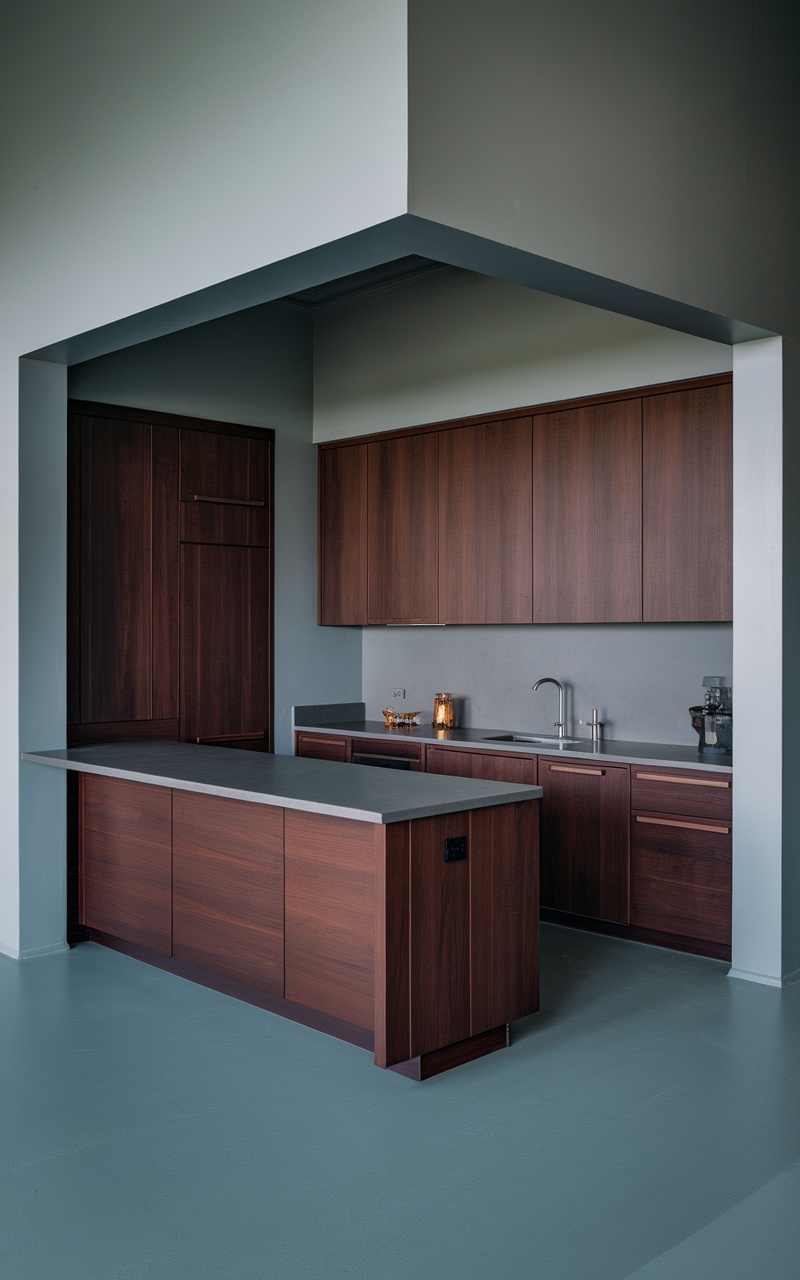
397,911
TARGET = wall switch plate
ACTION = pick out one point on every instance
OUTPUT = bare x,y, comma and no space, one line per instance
398,695
455,848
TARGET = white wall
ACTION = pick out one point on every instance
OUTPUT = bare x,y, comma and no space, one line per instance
465,345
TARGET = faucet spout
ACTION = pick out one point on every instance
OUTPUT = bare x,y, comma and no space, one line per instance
559,724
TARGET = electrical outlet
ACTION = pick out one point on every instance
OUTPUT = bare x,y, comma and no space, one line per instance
398,695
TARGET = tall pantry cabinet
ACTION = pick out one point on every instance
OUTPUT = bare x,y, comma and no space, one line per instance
169,579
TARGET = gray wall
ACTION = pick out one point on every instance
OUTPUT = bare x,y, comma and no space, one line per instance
253,368
469,344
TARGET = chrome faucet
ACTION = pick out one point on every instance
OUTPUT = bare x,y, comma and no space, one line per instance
559,724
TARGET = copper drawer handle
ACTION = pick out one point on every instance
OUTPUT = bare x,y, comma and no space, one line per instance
570,768
325,742
685,782
691,826
229,502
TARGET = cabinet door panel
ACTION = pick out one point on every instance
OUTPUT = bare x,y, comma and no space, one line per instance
116,580
342,550
485,523
688,506
585,839
228,888
504,910
440,959
402,530
587,514
224,641
482,764
228,468
330,915
126,860
681,876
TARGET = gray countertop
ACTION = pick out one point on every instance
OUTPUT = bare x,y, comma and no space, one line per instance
344,719
316,786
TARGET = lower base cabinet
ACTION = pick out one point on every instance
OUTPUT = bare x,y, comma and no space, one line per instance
681,877
585,838
364,929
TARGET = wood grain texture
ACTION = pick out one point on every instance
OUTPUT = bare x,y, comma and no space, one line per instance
688,792
342,537
688,506
317,746
116,571
440,960
224,523
587,514
225,609
634,933
73,569
330,868
485,501
585,840
681,879
491,765
392,939
402,530
126,860
504,911
392,748
228,888
426,1065
79,735
216,464
165,574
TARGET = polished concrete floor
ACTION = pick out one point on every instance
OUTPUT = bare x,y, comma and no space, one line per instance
645,1124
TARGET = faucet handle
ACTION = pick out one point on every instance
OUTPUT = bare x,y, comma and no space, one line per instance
595,725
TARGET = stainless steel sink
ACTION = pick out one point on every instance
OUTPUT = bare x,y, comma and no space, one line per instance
535,739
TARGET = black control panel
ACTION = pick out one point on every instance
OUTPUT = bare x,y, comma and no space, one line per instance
455,848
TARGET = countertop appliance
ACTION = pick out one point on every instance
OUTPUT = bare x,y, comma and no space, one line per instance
714,720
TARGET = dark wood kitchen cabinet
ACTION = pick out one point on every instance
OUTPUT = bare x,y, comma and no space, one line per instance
126,860
490,765
681,855
587,514
485,523
342,536
122,650
169,578
402,582
687,542
585,838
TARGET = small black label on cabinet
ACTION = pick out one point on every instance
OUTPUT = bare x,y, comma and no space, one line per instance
455,848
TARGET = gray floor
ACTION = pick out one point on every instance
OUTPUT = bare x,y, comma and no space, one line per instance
646,1124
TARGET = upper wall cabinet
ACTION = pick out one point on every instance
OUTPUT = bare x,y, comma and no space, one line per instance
485,522
402,530
587,514
607,512
342,536
688,505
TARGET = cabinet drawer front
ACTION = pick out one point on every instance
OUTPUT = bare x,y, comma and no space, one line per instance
390,749
318,747
490,765
684,791
681,877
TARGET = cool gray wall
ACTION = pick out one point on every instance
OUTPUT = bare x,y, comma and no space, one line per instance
253,368
469,344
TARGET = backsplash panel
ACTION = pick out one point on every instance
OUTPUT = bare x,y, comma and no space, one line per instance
642,678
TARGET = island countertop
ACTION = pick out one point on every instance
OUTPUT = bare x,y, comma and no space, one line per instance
314,786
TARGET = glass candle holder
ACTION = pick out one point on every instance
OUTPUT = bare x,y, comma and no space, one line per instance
443,711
